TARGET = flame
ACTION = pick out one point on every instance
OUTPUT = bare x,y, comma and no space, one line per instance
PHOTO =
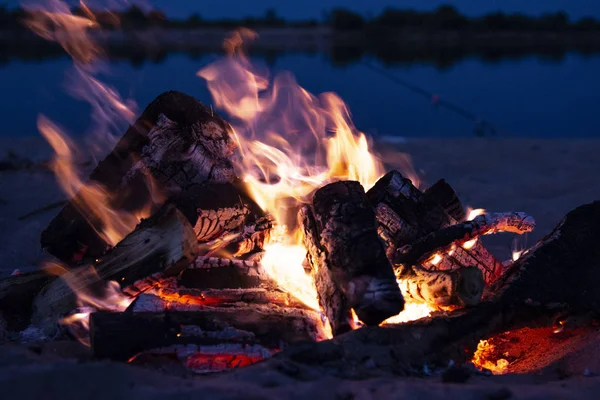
93,200
290,144
92,294
516,254
483,356
472,213
436,259
55,22
469,244
411,312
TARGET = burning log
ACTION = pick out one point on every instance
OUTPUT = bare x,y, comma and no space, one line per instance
122,335
183,299
461,287
441,240
163,243
553,282
405,215
347,258
178,150
223,273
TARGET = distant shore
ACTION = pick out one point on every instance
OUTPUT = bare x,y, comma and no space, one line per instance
395,46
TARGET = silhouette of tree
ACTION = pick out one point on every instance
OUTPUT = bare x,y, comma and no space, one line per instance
346,20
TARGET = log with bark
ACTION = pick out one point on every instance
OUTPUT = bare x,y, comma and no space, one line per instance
163,244
440,241
406,215
555,281
122,335
347,258
177,151
17,293
462,287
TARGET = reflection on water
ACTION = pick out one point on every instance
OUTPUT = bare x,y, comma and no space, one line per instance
523,96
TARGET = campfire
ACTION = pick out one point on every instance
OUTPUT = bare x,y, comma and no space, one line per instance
223,243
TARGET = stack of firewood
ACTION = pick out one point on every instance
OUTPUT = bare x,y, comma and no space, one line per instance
193,267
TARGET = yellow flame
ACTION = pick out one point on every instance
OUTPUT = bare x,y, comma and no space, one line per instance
290,144
437,258
92,294
411,312
93,200
483,358
472,213
469,244
516,254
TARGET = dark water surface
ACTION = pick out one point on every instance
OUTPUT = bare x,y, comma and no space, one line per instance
528,97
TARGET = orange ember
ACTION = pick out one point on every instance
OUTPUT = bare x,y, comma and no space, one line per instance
485,357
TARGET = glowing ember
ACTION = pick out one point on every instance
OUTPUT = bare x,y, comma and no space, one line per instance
469,244
436,259
483,359
412,312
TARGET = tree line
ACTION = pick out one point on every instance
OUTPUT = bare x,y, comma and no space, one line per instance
445,17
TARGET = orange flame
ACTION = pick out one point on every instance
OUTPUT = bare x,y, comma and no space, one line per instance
92,199
290,144
92,294
55,22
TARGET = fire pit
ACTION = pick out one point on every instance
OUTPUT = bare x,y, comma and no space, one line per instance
281,234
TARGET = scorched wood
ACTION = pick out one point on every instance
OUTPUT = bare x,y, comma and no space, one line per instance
163,243
123,335
178,150
441,240
176,298
347,258
405,215
442,289
554,281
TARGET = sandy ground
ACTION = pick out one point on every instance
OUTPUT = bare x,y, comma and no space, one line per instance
542,177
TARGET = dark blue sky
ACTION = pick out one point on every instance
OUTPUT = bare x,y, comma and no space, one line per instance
302,9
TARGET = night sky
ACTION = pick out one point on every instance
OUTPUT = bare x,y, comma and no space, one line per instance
304,9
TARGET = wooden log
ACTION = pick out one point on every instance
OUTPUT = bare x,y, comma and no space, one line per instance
405,215
162,244
347,258
224,273
444,195
17,293
556,280
440,241
462,287
181,299
178,150
123,335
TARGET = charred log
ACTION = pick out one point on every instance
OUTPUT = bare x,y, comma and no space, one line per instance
441,240
553,282
17,293
405,215
442,289
347,258
178,150
163,243
123,335
223,273
173,298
